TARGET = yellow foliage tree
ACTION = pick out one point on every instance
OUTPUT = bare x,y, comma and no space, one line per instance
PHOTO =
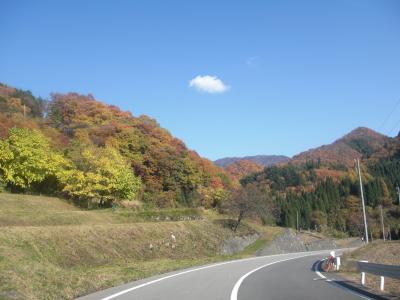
100,175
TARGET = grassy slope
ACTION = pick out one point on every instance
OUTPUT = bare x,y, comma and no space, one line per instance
50,249
376,252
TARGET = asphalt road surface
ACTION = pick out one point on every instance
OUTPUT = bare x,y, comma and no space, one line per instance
285,276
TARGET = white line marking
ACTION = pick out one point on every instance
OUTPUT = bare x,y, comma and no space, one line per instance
207,267
339,285
235,290
318,272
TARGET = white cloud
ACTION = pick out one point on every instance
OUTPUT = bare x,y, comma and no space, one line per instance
208,84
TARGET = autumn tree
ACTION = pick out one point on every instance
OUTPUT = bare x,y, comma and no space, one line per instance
242,168
172,175
26,158
99,175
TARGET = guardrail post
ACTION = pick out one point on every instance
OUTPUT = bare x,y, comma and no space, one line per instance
337,263
391,271
363,274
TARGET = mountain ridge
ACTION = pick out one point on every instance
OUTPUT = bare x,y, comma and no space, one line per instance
361,142
263,160
358,143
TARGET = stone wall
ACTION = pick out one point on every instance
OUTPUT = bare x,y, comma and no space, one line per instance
289,242
238,243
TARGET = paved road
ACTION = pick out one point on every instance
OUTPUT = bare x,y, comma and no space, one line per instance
286,276
294,279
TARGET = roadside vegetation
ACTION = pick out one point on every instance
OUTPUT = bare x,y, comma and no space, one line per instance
376,252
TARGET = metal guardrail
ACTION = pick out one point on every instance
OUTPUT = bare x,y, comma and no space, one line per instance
378,269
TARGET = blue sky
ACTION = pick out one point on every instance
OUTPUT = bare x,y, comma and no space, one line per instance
293,74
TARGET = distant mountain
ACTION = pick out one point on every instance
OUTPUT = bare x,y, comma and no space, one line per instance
361,142
330,159
263,160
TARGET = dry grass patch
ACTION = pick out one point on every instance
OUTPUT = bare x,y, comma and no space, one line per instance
377,252
51,249
61,262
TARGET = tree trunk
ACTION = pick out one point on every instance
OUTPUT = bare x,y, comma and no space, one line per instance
238,221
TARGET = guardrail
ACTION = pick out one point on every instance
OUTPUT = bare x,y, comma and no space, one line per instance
378,269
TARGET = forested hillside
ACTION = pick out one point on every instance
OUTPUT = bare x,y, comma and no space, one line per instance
360,142
96,154
321,186
241,168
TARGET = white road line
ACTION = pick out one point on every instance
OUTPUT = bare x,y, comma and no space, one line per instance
235,290
318,272
207,267
161,279
339,285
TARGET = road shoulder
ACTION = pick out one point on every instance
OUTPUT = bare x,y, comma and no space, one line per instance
352,286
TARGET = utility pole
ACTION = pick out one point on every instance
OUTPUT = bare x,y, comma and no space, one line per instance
297,220
24,111
398,193
383,226
363,203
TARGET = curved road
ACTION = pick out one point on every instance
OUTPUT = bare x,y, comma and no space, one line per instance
284,276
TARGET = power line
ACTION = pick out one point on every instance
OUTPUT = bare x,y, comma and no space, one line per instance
389,115
394,127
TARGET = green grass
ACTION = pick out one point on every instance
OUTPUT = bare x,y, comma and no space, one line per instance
50,249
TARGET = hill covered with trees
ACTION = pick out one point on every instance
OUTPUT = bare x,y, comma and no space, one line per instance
361,142
321,188
97,155
76,146
241,168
